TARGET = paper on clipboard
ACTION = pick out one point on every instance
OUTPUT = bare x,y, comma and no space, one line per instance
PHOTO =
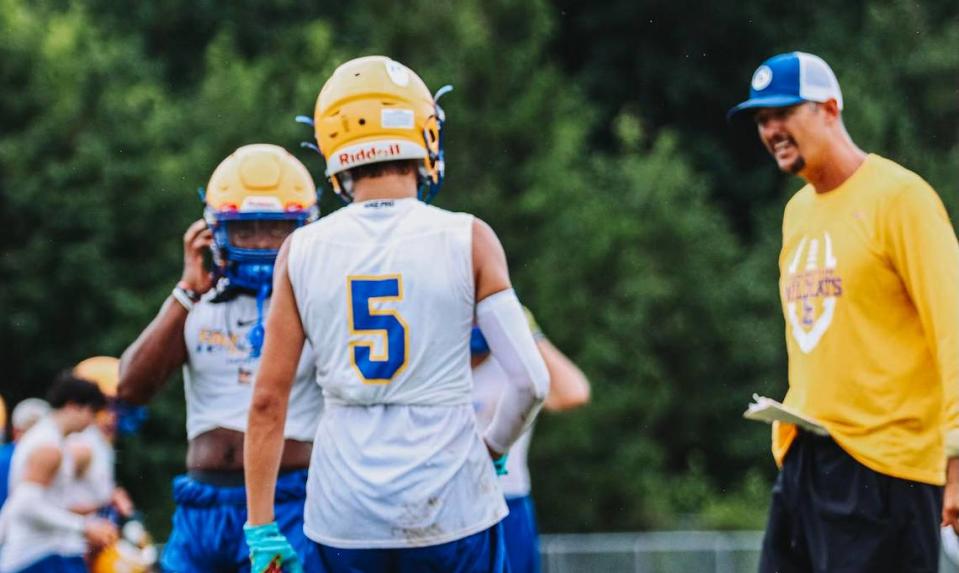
764,409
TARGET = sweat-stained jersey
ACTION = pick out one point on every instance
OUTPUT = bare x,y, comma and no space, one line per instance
868,276
386,296
219,371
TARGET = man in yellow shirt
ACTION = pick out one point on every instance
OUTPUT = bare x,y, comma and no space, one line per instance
868,271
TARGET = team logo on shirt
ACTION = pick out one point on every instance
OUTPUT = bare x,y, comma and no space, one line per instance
216,341
811,289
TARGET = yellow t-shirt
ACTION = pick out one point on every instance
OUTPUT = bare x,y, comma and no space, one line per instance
868,281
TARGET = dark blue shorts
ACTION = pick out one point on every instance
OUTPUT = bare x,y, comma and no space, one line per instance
829,513
481,552
57,564
521,535
207,534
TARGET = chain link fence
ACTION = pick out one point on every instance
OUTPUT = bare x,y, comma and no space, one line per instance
653,552
659,552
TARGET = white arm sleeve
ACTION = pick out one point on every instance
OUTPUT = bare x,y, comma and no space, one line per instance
28,502
503,323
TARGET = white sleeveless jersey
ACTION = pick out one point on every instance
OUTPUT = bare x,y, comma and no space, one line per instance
385,293
95,487
489,381
25,541
219,372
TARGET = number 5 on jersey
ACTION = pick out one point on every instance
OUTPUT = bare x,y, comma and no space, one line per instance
367,322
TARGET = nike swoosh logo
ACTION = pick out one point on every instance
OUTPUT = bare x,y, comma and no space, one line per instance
242,323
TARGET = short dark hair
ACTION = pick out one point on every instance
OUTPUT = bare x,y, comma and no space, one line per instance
381,168
68,389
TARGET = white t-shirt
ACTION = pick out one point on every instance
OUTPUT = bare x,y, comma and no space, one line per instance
489,381
25,541
95,487
385,293
219,371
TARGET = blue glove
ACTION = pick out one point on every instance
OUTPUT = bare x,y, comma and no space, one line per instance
270,552
500,465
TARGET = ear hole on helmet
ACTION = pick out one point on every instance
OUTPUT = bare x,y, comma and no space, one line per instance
333,135
362,121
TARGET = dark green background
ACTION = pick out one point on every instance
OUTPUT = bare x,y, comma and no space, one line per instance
641,228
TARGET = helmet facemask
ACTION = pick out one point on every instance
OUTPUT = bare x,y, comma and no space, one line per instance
259,188
251,267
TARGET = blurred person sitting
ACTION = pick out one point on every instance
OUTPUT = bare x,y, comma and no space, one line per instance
568,389
39,533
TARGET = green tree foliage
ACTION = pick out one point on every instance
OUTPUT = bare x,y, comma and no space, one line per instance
641,228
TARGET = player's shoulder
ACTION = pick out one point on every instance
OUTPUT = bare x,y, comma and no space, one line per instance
440,216
42,434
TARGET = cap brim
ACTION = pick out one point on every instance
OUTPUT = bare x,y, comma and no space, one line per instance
768,101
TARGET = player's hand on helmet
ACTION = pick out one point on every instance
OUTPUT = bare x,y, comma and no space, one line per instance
100,532
270,552
197,239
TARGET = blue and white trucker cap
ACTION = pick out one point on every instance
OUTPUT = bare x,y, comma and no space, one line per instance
788,79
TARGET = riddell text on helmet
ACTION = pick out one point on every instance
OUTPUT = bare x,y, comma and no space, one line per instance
369,153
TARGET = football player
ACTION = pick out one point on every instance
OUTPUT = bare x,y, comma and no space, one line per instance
386,290
212,325
38,531
568,389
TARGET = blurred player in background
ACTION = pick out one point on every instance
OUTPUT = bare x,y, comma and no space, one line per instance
38,531
868,271
95,487
386,289
212,325
568,389
27,413
23,417
95,490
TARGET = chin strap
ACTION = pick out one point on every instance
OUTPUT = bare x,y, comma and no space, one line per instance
258,333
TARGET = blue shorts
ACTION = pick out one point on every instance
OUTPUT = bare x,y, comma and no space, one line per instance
522,536
57,564
481,552
207,534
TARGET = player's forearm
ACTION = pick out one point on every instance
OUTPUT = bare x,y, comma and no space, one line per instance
29,502
568,386
262,451
504,325
154,355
